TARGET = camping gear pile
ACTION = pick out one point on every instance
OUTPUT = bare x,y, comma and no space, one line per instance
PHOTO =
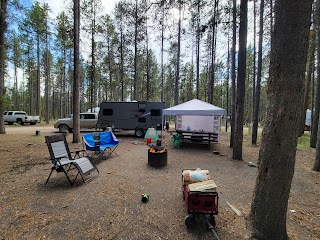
177,140
201,197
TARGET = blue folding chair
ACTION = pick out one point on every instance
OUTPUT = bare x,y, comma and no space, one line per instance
99,143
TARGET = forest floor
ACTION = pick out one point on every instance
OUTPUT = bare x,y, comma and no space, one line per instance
109,205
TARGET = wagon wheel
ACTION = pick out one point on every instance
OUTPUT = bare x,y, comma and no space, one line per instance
210,222
183,192
190,221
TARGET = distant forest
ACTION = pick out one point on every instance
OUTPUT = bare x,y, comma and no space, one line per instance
170,51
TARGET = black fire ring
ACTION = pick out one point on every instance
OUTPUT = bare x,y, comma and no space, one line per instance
157,159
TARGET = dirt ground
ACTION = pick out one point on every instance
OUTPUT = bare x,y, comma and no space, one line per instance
109,205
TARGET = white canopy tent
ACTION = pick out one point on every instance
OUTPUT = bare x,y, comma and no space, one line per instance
195,107
201,114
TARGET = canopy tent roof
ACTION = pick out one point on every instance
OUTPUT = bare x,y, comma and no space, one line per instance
194,107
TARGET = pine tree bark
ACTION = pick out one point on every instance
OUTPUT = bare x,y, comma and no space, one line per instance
3,29
309,70
241,81
258,85
315,115
198,50
162,50
177,77
47,73
38,109
233,70
76,76
135,80
316,165
213,52
289,46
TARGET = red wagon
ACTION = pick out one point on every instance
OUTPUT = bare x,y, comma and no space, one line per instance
201,199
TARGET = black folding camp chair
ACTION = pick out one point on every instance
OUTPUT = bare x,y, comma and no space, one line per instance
62,160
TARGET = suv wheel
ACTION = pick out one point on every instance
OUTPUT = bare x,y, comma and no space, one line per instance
19,121
63,128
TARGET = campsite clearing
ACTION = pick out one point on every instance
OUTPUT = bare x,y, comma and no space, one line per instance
109,205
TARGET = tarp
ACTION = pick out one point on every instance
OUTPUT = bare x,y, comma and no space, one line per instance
194,107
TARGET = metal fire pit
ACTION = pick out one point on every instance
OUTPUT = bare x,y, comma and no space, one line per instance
157,156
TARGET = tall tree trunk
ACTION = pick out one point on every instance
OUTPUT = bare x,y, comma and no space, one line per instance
47,112
254,59
233,70
148,63
241,81
271,17
198,49
135,80
3,29
16,93
315,115
110,71
227,82
213,52
122,65
162,49
289,46
258,85
38,109
93,61
177,77
309,70
316,165
76,74
31,96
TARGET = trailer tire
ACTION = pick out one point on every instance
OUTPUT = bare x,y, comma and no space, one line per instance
139,132
190,221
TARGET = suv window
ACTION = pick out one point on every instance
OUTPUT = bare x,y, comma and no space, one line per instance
20,113
89,116
10,113
4,113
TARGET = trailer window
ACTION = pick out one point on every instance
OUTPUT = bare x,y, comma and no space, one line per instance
155,112
142,107
142,119
107,112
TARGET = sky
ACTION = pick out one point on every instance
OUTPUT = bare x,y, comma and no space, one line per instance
57,6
